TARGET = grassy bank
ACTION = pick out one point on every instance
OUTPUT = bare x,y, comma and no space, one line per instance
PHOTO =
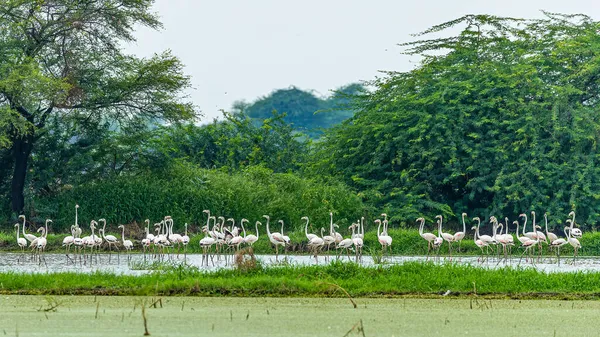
409,279
405,242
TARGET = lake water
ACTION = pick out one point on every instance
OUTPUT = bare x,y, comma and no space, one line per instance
122,265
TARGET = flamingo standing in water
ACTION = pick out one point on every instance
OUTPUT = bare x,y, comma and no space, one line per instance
478,242
309,236
206,242
429,237
110,240
459,236
29,237
21,242
315,244
446,236
275,238
559,242
384,240
250,239
573,241
127,244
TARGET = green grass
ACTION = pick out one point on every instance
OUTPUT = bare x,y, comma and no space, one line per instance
409,279
405,242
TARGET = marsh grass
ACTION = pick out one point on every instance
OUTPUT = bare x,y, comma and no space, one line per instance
408,279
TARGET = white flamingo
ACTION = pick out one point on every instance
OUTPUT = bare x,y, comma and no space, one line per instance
573,241
459,236
559,242
358,242
275,238
21,242
206,242
446,236
429,237
315,244
127,244
575,232
345,244
29,237
68,241
478,242
111,240
384,240
309,236
250,239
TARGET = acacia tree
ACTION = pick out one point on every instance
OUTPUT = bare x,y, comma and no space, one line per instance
499,119
64,59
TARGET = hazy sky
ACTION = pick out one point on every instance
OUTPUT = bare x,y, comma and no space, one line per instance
243,49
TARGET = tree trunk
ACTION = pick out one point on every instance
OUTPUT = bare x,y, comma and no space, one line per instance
22,147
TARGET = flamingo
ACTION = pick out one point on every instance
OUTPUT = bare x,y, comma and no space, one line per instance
358,242
345,244
21,242
185,240
573,241
42,241
68,241
383,223
275,238
384,240
459,236
285,237
438,241
551,236
206,242
429,237
446,236
529,244
236,241
110,239
77,230
315,244
559,242
530,235
29,237
250,238
329,240
575,232
309,236
127,244
478,242
338,237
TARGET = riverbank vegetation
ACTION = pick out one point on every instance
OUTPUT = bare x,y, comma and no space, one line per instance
498,119
409,279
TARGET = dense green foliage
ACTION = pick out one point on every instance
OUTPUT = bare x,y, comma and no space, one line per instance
401,280
304,110
501,118
184,191
64,61
232,143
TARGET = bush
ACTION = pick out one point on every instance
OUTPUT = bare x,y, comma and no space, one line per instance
183,191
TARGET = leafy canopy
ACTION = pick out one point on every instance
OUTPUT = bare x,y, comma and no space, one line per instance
499,119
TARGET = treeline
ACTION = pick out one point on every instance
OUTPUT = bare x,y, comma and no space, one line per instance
305,111
499,119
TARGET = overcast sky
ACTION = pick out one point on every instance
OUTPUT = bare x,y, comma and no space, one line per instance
242,49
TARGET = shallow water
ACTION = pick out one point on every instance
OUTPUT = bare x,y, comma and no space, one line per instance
130,265
230,316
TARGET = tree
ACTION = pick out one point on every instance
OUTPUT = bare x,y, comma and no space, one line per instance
63,59
233,143
304,110
499,119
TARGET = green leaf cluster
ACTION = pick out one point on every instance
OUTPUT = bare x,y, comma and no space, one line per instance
498,119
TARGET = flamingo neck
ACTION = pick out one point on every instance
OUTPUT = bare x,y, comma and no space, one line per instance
256,225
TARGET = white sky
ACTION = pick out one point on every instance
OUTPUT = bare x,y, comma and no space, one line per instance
243,49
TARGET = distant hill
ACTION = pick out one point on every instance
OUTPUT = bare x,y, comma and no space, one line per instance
305,111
